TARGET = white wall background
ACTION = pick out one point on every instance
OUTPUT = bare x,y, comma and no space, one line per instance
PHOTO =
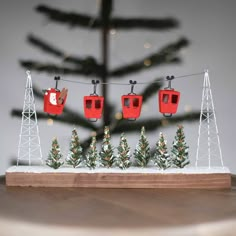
210,25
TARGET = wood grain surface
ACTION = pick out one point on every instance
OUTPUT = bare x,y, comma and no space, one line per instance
97,211
120,180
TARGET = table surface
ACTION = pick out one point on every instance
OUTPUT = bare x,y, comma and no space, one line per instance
103,210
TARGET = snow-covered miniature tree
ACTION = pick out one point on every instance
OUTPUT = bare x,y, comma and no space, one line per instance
74,157
107,157
54,159
179,151
123,156
92,155
142,150
161,157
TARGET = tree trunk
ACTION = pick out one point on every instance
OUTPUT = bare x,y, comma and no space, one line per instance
106,6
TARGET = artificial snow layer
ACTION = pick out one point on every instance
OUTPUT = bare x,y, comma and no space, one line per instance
147,170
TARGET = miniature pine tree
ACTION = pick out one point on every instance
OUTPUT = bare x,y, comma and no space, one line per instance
107,157
142,150
162,157
74,157
92,154
55,157
123,157
179,149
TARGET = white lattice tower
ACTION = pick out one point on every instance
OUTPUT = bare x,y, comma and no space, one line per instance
208,146
29,148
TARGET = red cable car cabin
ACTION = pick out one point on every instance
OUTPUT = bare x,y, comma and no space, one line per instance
131,106
168,101
54,101
93,106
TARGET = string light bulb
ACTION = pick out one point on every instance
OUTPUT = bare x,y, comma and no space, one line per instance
113,31
147,45
65,56
118,116
147,62
164,122
188,108
49,122
93,133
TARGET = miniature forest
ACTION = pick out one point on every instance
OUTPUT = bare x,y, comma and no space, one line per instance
120,156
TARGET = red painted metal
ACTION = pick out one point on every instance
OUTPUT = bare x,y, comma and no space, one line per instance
54,101
93,106
168,101
131,106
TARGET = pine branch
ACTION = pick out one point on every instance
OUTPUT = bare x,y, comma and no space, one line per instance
82,20
36,41
149,124
58,69
154,123
138,23
151,89
70,18
38,93
166,55
66,118
88,62
66,111
89,66
99,136
69,116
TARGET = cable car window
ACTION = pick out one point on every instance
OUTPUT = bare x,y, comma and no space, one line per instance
126,102
135,102
174,99
165,98
97,104
89,104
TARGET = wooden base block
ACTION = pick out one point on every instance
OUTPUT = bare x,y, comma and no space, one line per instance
120,180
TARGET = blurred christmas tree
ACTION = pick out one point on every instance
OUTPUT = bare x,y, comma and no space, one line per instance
123,156
161,156
107,157
179,149
142,150
54,159
89,66
92,155
75,156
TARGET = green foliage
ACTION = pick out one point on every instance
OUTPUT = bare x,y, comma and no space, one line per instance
161,157
92,155
107,157
74,19
123,156
54,159
142,150
74,157
179,149
87,66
